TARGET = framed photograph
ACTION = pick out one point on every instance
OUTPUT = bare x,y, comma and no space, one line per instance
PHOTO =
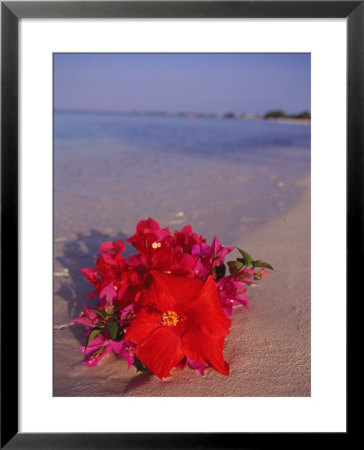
181,180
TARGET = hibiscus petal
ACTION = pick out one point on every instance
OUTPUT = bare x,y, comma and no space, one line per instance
158,295
206,311
173,290
141,327
209,347
161,352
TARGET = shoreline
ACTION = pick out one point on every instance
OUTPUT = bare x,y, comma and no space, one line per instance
268,348
185,115
291,121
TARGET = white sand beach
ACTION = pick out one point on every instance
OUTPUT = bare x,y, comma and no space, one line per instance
268,348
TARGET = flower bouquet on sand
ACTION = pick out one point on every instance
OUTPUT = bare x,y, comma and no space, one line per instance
168,305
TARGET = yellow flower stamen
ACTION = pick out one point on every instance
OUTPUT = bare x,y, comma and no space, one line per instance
170,318
156,245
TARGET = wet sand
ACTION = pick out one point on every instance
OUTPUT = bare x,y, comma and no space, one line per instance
268,348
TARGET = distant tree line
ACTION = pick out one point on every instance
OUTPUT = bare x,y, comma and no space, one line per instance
279,114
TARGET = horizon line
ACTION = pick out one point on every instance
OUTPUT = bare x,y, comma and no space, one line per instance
120,112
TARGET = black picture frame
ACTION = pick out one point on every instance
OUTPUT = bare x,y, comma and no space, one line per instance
11,12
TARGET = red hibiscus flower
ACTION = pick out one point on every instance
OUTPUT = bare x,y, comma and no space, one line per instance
179,318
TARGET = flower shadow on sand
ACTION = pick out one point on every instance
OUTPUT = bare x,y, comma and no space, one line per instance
69,283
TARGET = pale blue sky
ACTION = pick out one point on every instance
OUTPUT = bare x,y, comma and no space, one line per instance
212,82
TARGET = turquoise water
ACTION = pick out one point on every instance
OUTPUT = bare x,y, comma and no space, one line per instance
221,138
221,175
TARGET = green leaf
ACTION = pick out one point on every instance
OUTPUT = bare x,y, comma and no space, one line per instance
113,329
140,367
111,316
99,312
95,332
247,258
262,264
235,267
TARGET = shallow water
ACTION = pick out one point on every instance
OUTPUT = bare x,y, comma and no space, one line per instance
224,176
